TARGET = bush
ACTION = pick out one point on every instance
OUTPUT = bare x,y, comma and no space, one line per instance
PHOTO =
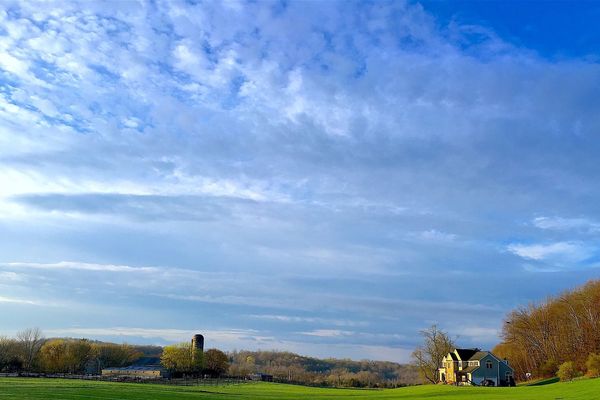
567,371
593,365
548,369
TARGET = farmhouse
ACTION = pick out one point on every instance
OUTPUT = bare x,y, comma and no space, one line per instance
475,367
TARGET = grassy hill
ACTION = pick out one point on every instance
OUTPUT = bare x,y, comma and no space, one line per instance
47,389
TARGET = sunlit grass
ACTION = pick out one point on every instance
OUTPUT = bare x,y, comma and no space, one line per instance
48,389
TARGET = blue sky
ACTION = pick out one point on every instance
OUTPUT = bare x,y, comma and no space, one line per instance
322,177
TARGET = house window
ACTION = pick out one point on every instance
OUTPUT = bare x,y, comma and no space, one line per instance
488,364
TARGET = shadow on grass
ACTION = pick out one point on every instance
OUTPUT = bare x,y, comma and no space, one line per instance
545,382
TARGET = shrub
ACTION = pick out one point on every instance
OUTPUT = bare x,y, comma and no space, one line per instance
548,369
567,371
593,365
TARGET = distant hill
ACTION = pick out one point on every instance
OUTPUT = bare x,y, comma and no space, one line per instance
291,367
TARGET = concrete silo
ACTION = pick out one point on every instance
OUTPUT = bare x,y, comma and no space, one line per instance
198,342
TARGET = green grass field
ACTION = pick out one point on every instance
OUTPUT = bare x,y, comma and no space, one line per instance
47,389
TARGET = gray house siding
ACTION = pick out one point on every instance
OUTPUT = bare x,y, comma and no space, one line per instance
483,372
504,368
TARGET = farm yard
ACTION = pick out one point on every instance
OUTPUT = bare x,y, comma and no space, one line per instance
47,389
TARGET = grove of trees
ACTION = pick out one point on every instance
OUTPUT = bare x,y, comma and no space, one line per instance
182,359
31,352
539,338
11,355
216,363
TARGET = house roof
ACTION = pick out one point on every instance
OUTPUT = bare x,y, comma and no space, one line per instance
466,354
479,355
469,369
134,368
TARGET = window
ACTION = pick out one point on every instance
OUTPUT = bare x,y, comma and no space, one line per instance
488,364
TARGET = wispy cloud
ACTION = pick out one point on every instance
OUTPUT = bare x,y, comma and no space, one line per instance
559,251
4,299
475,334
165,334
70,265
560,223
325,333
310,320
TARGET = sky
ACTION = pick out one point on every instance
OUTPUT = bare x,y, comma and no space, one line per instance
322,177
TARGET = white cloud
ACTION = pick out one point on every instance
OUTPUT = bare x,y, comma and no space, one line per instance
10,276
558,252
70,265
189,60
328,333
229,336
477,334
13,300
309,320
560,223
434,235
13,64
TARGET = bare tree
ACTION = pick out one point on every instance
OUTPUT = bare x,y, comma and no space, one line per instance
30,341
428,356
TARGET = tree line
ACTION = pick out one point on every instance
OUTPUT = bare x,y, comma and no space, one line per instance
560,333
29,351
182,359
291,367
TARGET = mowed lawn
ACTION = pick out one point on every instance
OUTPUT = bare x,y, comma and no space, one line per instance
46,389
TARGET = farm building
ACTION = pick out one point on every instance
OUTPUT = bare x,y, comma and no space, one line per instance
261,377
475,367
143,372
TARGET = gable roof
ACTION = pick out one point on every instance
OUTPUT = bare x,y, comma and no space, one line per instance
465,354
479,355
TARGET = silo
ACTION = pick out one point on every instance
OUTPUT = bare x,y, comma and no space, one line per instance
198,342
